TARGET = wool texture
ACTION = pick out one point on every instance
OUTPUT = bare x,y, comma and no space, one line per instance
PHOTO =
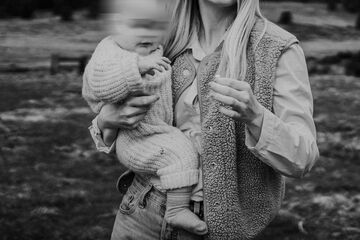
241,193
155,146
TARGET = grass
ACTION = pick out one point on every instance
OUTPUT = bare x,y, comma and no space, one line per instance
315,14
54,185
52,179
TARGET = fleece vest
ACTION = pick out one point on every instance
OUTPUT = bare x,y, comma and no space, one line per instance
241,193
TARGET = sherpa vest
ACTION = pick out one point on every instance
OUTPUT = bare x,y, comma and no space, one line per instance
241,193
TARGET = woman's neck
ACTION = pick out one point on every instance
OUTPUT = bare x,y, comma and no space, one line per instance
215,21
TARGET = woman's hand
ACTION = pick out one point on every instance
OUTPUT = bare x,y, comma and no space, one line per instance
126,115
243,105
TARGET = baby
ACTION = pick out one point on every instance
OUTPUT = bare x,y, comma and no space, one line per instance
125,64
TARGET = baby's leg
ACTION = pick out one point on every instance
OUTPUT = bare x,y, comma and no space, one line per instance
178,213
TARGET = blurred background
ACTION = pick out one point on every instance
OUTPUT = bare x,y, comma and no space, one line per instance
53,183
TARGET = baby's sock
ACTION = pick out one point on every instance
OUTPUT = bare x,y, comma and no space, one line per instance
178,213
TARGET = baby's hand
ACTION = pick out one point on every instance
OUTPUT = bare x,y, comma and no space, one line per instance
153,62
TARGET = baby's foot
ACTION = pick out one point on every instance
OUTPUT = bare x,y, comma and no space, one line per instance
186,220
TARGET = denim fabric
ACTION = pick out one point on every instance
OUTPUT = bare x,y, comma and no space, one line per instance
141,215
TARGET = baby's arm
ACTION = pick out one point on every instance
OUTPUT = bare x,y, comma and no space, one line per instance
106,79
113,73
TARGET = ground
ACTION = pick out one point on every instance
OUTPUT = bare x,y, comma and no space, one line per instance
54,185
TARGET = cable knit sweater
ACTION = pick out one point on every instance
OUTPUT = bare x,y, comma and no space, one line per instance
155,146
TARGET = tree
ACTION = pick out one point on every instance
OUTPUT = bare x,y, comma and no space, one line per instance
93,9
64,9
286,18
357,24
27,9
332,5
352,6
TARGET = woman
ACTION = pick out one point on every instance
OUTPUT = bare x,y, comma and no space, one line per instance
242,94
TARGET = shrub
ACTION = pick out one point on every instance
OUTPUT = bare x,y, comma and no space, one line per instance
351,5
18,8
45,4
352,66
27,9
336,59
286,18
93,9
357,23
332,5
64,9
66,13
3,12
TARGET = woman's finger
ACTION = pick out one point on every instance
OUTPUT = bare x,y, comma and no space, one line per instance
163,64
229,101
157,66
230,113
131,112
233,83
133,122
143,101
165,59
242,96
167,66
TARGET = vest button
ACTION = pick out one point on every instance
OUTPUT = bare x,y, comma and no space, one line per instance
186,73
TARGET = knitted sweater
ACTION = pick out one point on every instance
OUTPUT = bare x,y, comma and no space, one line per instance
154,147
241,193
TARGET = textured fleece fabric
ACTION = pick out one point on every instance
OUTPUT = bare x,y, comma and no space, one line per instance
155,146
241,193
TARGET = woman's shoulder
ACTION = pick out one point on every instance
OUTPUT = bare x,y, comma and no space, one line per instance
265,28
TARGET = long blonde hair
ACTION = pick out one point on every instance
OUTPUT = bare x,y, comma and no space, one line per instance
186,22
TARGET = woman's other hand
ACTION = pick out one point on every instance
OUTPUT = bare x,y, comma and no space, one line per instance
240,102
126,115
